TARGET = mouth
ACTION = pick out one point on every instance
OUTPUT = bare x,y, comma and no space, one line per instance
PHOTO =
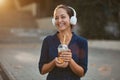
61,25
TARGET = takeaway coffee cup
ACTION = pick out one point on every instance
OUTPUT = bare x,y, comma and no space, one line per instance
62,47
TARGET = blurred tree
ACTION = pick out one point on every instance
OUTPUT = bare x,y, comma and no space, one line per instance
95,17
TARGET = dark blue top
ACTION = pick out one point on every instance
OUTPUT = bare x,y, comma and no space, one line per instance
79,48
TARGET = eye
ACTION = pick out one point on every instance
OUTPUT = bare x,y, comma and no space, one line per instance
56,18
63,17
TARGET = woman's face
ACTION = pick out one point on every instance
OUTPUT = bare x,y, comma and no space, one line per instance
62,19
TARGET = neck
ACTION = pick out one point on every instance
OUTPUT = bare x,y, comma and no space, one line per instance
65,36
65,32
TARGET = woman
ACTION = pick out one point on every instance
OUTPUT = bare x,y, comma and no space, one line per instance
76,56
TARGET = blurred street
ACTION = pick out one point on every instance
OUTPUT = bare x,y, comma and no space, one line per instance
20,61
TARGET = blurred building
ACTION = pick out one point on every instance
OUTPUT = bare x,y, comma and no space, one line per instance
23,16
96,19
14,17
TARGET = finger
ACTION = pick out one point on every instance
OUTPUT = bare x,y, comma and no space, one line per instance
67,55
68,58
63,65
69,50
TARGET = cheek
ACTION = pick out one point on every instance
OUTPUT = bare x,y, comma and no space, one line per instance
68,20
68,23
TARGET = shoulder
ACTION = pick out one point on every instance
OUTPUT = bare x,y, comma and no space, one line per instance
80,38
49,37
82,41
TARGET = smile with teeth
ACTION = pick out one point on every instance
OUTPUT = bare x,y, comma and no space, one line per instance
61,25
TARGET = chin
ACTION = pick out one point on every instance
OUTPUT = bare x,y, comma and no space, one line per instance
61,28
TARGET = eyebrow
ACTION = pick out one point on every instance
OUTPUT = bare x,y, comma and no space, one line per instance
61,15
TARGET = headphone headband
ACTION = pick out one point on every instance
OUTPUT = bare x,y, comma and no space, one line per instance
73,19
74,12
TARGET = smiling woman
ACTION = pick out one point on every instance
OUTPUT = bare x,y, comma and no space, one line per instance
64,55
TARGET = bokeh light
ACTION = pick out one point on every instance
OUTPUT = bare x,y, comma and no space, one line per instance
2,2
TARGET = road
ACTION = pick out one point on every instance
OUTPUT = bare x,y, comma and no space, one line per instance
21,62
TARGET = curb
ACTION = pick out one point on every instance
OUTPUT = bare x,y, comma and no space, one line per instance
5,74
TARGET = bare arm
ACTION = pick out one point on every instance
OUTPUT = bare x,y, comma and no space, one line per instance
78,70
48,67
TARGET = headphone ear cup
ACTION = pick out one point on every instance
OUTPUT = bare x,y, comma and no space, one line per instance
73,20
53,21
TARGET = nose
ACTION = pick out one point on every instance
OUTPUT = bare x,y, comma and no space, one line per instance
59,20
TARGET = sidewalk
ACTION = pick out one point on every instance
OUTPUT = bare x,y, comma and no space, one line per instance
104,44
21,60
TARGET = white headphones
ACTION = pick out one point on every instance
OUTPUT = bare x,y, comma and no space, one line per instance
73,19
